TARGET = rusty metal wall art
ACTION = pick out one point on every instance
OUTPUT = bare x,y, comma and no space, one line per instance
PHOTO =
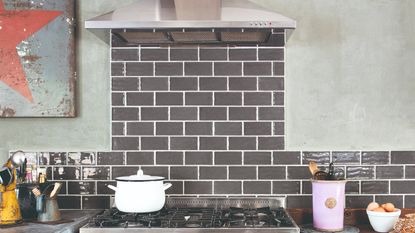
37,58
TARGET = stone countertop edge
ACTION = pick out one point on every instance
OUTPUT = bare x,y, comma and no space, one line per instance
80,217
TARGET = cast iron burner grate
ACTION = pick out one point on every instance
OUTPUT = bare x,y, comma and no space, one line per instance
202,215
196,218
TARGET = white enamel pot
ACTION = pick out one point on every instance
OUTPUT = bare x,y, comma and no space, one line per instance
140,193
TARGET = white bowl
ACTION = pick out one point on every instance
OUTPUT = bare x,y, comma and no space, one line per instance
383,221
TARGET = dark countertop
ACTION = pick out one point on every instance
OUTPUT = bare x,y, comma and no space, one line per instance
80,218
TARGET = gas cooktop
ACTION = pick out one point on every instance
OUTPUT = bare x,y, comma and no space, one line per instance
211,215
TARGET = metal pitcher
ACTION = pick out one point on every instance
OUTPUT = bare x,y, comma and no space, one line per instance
47,209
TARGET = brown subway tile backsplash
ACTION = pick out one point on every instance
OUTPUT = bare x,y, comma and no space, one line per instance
256,157
242,113
117,128
228,68
375,157
243,83
242,143
199,98
125,143
110,158
169,98
183,84
213,54
213,173
271,173
242,54
154,143
360,172
410,172
183,143
211,120
389,172
117,99
154,84
213,83
169,157
183,54
346,157
375,187
159,54
403,157
168,68
124,55
287,157
125,84
257,68
198,68
154,113
139,69
258,98
257,187
198,158
271,54
298,172
286,187
140,128
183,113
358,201
183,173
125,114
228,128
228,98
242,173
198,128
198,187
169,128
140,158
228,158
403,187
228,187
213,113
318,157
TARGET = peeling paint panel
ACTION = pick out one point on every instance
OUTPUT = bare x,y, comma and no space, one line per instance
37,58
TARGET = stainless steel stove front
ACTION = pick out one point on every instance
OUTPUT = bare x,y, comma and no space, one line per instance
208,202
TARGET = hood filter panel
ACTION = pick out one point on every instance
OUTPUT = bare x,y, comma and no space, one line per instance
204,37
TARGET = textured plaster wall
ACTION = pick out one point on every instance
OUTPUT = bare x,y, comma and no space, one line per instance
350,80
350,74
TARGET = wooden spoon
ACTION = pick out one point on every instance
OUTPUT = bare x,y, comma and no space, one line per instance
55,190
313,168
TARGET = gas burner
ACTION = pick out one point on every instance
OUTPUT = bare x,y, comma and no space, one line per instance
193,225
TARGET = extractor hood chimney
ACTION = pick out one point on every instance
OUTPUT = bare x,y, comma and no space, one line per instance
193,21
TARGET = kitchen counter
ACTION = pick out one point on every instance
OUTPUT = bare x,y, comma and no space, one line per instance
80,218
352,217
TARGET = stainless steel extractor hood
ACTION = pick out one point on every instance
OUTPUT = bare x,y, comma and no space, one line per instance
196,15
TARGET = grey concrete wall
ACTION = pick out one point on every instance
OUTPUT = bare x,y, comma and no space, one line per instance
350,82
350,74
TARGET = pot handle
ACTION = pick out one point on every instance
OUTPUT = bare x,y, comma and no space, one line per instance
166,186
112,187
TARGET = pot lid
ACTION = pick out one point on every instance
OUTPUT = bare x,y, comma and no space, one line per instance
140,177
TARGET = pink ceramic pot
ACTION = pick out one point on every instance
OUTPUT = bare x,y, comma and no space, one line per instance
328,204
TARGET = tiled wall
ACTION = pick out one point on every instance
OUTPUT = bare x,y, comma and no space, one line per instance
382,176
211,120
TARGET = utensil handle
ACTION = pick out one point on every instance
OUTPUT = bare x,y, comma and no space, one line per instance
112,187
166,185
